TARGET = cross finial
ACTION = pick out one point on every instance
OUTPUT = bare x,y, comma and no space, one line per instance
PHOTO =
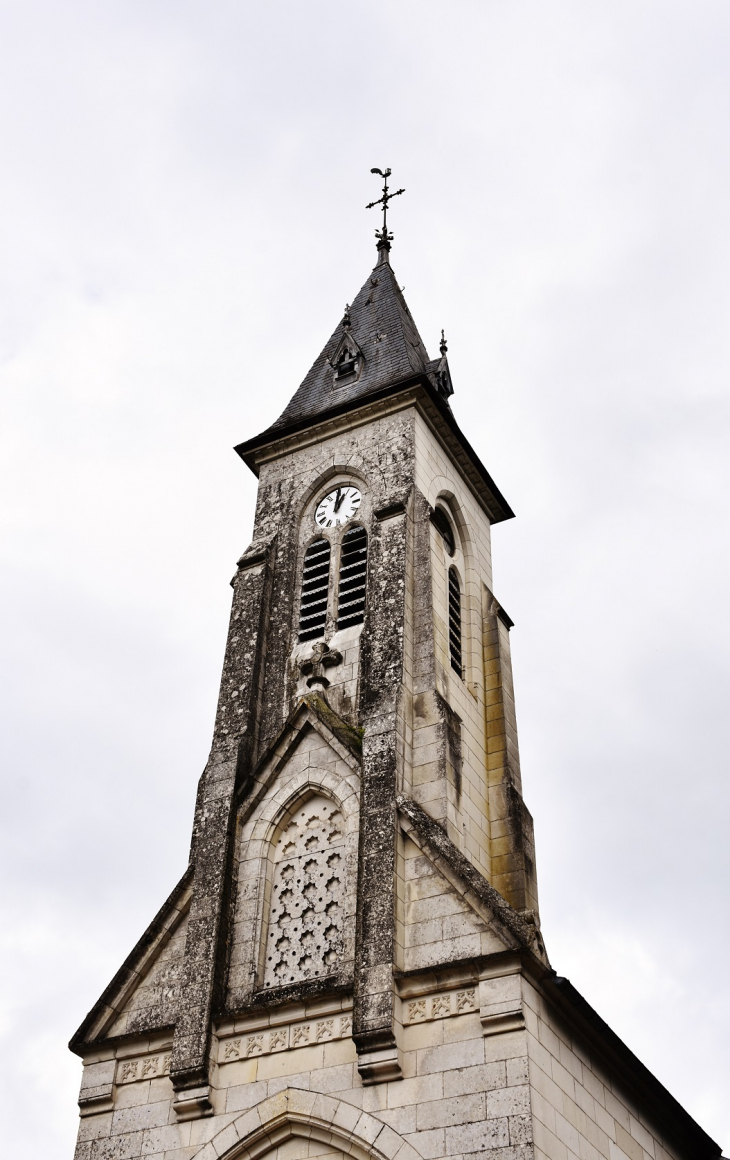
443,347
384,238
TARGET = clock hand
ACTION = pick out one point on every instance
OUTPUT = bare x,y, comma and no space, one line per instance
338,501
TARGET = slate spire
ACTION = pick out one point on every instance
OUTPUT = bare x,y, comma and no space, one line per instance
376,344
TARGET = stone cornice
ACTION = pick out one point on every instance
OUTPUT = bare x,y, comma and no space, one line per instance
416,390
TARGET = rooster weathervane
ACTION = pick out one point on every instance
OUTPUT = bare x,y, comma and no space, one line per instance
384,238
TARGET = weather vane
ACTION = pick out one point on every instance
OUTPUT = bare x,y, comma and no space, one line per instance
384,238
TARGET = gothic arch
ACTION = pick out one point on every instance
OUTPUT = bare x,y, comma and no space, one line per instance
283,797
294,1112
466,565
446,497
308,532
308,900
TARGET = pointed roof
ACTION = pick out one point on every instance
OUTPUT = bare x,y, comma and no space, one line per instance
376,351
387,338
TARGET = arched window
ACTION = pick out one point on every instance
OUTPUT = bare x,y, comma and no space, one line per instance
346,366
315,588
304,939
442,523
353,575
455,621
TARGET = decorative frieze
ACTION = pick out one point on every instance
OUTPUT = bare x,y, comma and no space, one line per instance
148,1067
283,1038
440,1006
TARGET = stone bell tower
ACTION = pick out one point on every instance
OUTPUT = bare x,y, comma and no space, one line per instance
352,962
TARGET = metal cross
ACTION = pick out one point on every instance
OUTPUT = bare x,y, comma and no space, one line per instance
386,197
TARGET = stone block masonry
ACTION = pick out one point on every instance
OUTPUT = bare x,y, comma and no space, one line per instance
352,963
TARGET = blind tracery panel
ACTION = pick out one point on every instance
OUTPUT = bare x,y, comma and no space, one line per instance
304,938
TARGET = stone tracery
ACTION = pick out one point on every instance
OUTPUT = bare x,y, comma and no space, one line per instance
305,930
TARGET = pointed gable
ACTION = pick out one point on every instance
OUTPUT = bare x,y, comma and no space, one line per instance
385,334
439,924
154,1000
144,994
453,888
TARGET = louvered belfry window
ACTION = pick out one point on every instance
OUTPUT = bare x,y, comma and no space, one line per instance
455,621
315,588
353,574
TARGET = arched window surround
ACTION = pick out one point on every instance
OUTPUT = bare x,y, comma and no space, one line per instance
259,828
310,532
462,559
258,1134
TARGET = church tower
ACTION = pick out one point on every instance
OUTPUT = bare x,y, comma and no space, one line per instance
352,962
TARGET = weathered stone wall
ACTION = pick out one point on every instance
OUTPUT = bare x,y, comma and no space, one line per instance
417,1027
461,1092
467,817
489,1069
378,458
480,804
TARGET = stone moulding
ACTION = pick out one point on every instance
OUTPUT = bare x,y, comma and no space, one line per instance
416,389
284,1038
443,1005
346,741
193,1103
504,1021
255,553
398,508
145,1067
97,1023
471,884
293,1112
96,1099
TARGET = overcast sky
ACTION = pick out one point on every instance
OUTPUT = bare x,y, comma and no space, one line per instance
183,189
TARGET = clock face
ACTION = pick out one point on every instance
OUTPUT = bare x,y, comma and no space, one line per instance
337,507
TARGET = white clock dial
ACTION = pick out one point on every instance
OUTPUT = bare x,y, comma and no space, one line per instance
337,507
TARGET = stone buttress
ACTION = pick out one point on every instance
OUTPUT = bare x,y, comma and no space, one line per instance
352,962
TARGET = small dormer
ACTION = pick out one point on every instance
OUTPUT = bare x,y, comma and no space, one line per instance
348,360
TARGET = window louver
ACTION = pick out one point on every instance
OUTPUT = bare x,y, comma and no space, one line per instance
315,588
353,573
455,621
